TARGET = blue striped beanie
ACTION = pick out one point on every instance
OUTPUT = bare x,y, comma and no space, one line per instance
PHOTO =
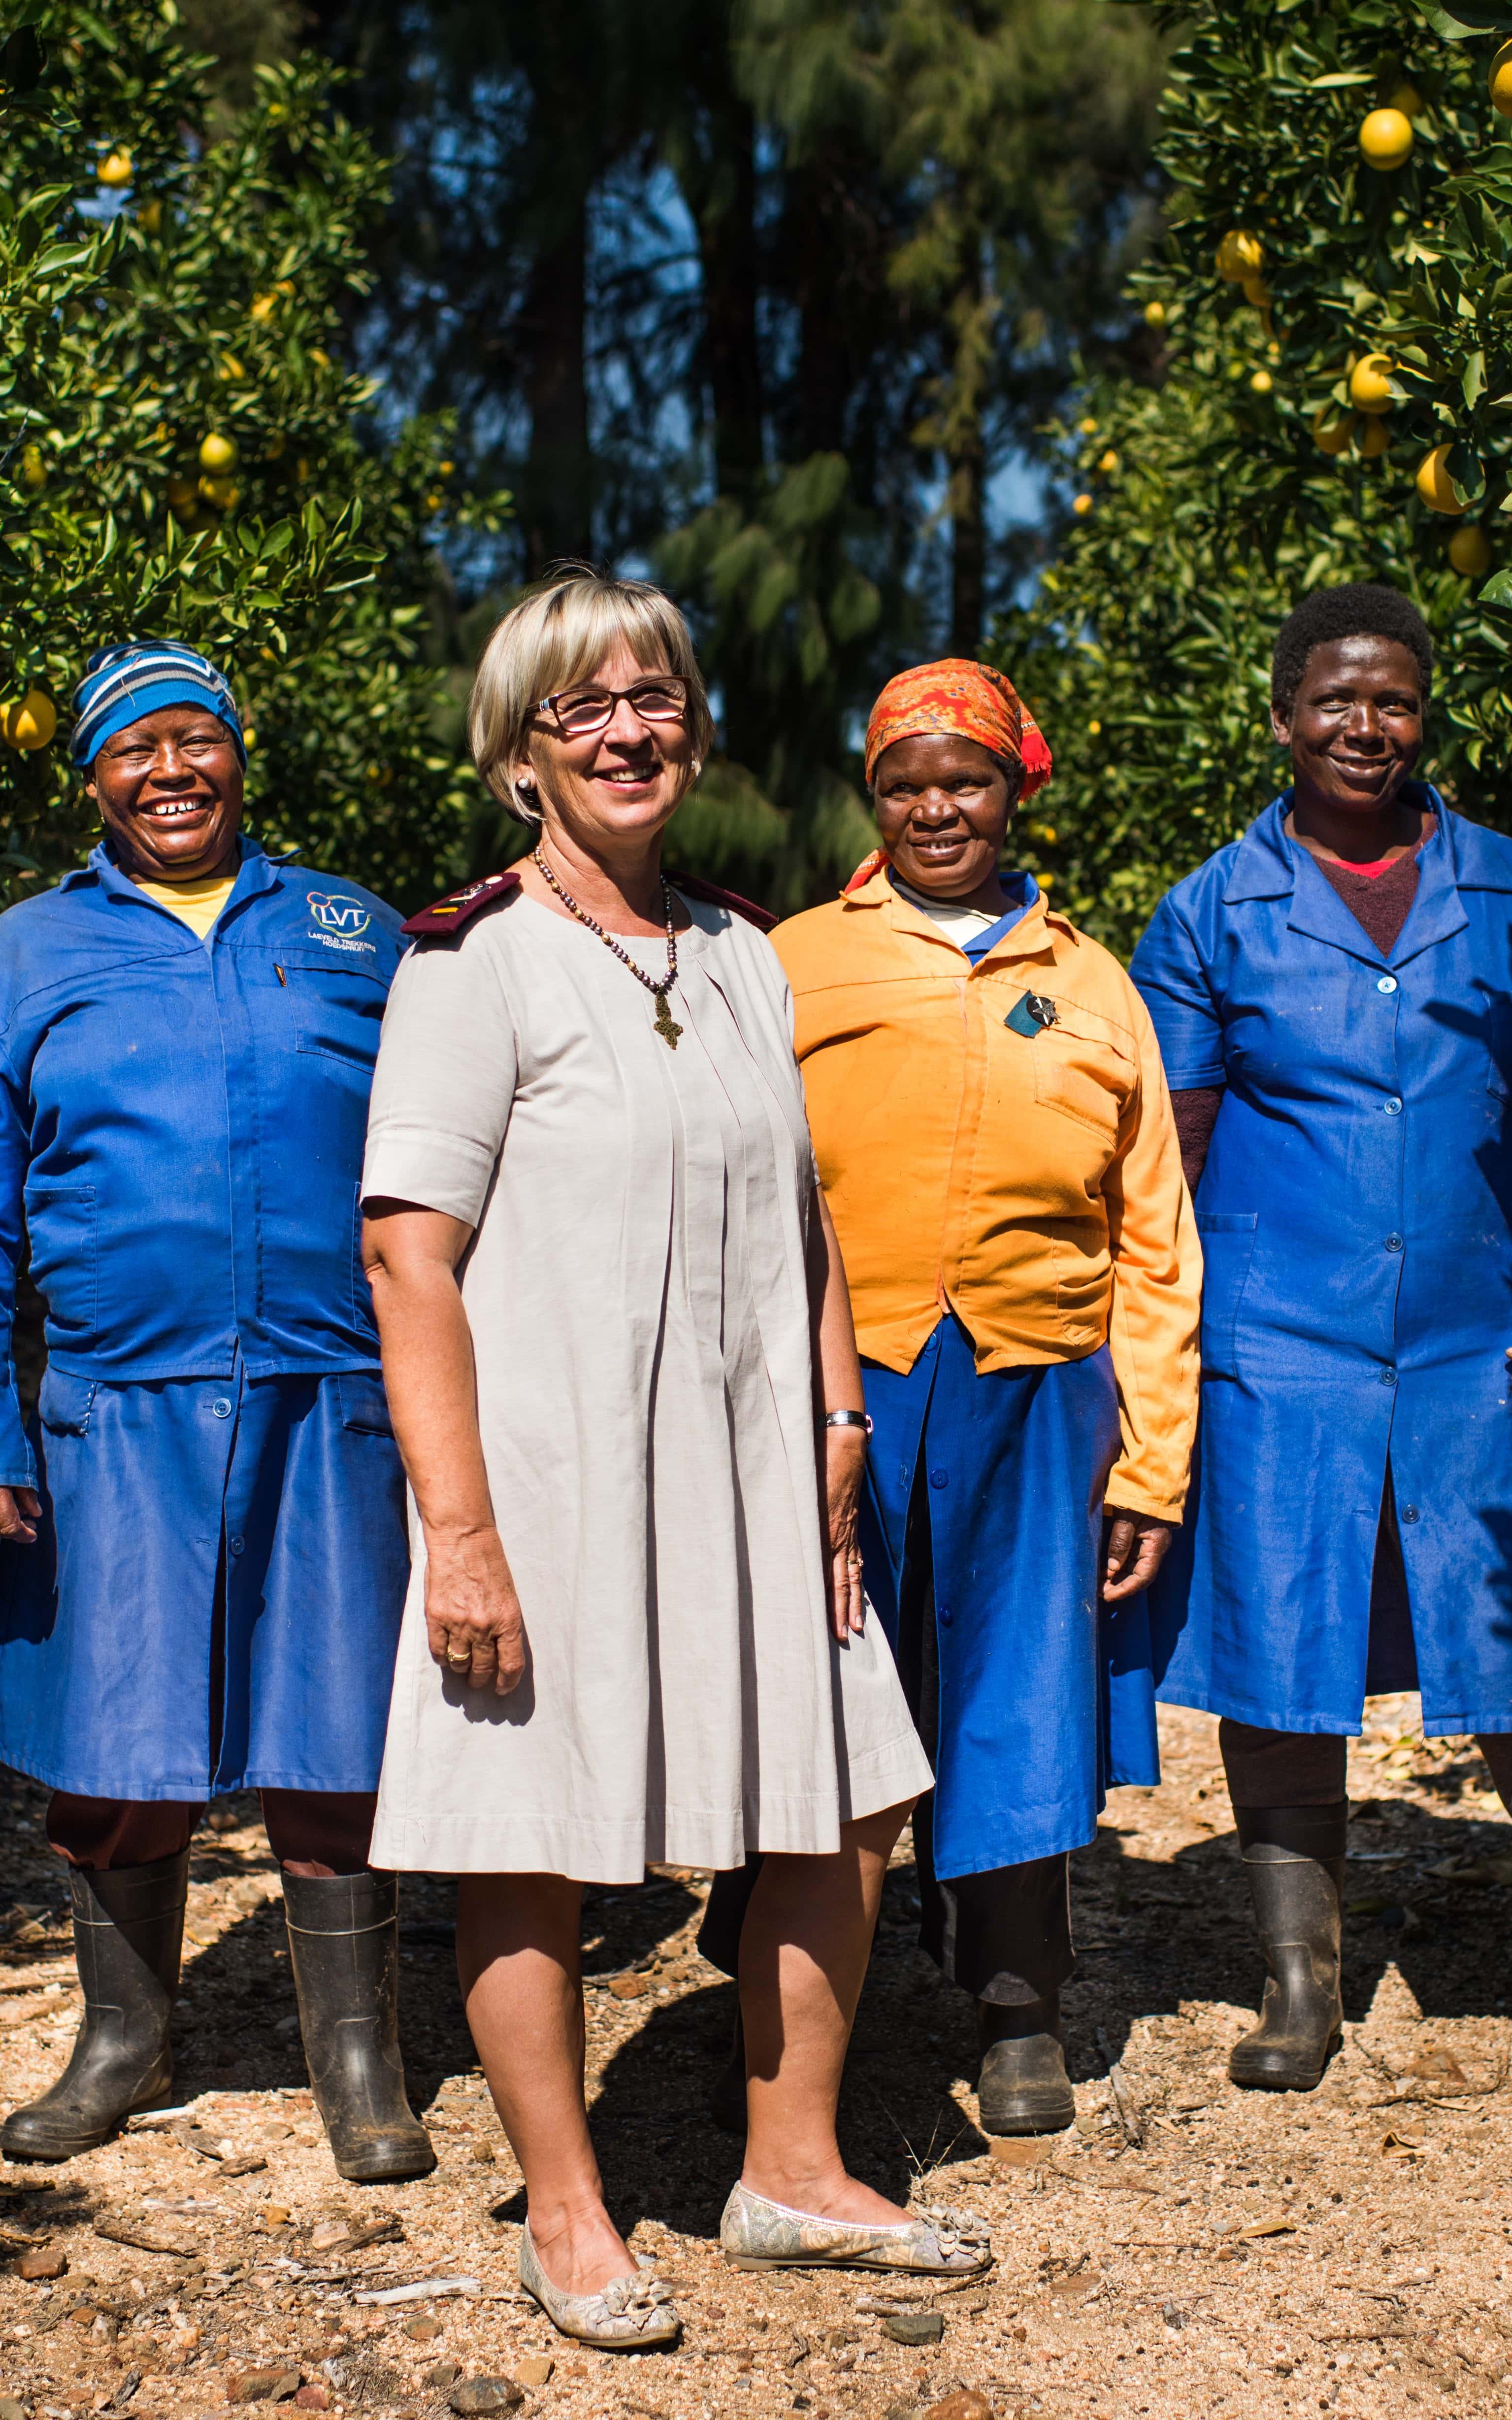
123,684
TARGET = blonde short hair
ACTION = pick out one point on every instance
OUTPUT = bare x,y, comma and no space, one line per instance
560,633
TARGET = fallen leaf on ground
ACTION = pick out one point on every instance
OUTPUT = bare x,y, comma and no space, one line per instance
263,2386
477,2396
1269,2227
1403,2146
1436,2065
143,2236
42,2260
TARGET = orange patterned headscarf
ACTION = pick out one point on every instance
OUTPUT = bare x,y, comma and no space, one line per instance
976,701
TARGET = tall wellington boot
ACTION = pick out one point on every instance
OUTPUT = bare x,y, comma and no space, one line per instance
343,1946
1024,2088
128,1934
1297,1899
727,2101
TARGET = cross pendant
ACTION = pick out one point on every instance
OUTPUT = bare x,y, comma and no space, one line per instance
667,1025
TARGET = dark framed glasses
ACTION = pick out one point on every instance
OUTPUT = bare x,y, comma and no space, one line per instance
661,697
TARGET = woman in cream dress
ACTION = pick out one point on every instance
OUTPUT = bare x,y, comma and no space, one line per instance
615,1330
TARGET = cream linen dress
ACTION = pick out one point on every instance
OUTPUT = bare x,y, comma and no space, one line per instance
636,1290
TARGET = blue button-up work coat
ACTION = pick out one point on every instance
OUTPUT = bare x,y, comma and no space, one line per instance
181,1128
1356,1220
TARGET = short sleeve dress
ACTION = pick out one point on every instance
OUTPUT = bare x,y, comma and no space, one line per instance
637,1294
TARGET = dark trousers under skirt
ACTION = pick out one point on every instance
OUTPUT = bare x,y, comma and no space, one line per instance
1003,1936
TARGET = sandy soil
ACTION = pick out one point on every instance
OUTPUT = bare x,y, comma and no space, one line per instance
1187,2250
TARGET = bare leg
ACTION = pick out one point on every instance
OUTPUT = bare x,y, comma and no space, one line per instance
803,1953
518,1956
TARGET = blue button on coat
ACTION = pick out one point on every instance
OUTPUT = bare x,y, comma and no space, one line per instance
1354,1213
181,1133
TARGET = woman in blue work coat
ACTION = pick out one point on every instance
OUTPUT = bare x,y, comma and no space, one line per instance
1332,998
207,1555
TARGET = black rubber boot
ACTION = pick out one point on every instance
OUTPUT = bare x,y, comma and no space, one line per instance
343,1946
128,1934
727,2102
1024,2088
1294,1859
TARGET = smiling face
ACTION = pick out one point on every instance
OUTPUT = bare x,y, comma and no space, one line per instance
169,793
1355,727
619,783
941,806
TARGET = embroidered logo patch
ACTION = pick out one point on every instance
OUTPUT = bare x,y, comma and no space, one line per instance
335,913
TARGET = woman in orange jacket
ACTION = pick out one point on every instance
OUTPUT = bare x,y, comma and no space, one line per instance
996,1146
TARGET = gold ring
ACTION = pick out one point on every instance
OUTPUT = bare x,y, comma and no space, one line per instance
456,1661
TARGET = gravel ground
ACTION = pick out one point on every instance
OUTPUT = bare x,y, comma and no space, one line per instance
1187,2250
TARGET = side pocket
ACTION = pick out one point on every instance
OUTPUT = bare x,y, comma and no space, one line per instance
62,1234
1227,1250
364,1404
65,1404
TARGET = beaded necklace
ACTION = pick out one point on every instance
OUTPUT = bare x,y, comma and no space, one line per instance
667,1025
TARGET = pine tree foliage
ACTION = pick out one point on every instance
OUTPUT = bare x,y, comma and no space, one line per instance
1336,405
183,451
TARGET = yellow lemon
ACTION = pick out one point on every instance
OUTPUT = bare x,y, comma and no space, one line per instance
115,167
1048,833
263,305
149,217
1094,730
230,368
1263,383
435,501
1386,138
1088,427
1499,81
444,469
1046,882
1081,504
1332,429
1374,437
222,493
1241,255
30,720
1370,384
1255,290
217,454
1407,98
1470,552
1154,314
249,737
1433,481
32,468
1107,463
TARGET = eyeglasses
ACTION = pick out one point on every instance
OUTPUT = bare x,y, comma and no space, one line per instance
577,712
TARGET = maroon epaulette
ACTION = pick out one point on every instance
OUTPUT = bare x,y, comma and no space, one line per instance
711,896
458,908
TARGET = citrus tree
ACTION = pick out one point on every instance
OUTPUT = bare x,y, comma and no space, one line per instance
1335,403
186,453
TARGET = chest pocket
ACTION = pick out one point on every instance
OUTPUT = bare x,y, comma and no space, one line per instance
336,1004
1083,1069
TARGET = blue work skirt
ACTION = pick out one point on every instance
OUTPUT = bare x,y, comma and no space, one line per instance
1046,1694
213,1600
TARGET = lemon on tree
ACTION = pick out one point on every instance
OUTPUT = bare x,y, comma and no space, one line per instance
1374,437
115,169
29,721
217,454
1154,314
1082,505
1386,138
1499,81
1241,255
1261,382
1470,552
1434,483
1332,429
32,468
1370,384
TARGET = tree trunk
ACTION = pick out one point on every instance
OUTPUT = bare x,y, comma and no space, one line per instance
732,285
556,504
968,552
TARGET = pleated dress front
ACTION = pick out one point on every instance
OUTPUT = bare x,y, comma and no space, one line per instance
638,1297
